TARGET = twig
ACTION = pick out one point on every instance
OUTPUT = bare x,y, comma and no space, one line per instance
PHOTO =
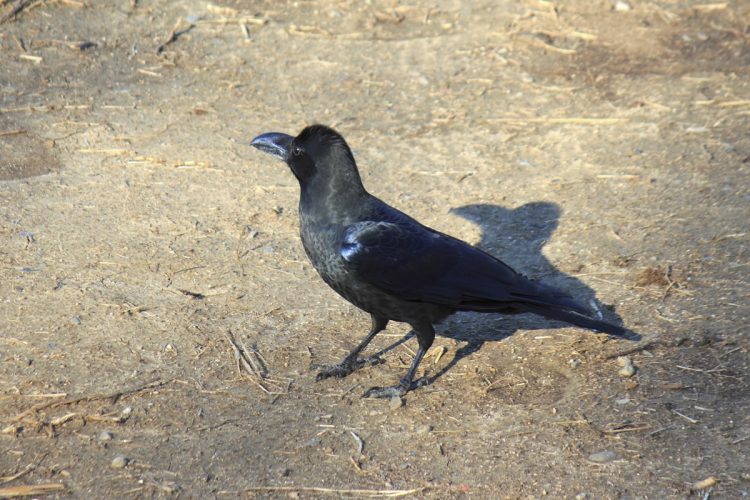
242,358
657,431
637,348
190,293
20,5
245,30
360,443
30,490
691,420
61,420
29,57
335,491
258,365
17,131
308,30
45,108
114,396
25,471
730,352
563,120
627,429
255,368
174,35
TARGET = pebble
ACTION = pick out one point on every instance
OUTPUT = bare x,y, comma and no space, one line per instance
574,363
125,414
424,429
120,462
705,484
621,6
696,129
628,369
602,456
105,436
314,442
395,403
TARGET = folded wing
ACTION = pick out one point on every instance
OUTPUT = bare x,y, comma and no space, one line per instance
416,263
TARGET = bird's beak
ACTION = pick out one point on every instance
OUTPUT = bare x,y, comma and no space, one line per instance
274,143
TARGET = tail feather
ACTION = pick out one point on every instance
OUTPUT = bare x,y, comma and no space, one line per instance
581,320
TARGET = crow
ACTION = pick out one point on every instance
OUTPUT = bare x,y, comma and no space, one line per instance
391,266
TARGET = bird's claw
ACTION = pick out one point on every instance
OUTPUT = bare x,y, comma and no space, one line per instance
327,371
393,391
344,368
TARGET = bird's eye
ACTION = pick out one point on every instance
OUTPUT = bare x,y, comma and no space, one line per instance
296,150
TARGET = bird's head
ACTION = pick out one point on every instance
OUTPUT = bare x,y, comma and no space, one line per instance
317,153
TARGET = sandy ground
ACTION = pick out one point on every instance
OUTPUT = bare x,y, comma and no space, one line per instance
603,149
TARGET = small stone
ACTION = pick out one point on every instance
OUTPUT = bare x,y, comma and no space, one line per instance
105,436
582,496
705,484
696,129
622,401
395,403
628,369
125,413
574,363
621,6
119,462
314,442
424,429
602,457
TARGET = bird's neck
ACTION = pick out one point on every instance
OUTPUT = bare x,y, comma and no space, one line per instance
332,199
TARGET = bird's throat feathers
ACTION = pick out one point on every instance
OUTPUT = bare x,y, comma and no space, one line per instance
326,195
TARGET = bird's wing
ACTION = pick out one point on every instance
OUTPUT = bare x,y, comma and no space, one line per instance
419,264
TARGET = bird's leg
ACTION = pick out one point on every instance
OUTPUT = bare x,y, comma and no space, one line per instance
351,363
425,337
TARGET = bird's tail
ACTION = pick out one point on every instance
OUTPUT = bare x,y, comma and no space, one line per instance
578,319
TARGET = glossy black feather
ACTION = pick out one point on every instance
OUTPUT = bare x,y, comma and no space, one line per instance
423,265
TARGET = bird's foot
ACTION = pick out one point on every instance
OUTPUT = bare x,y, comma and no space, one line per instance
394,391
344,368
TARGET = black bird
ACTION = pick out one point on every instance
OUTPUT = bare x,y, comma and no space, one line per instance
388,264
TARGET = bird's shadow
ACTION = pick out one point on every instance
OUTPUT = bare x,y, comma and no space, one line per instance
517,237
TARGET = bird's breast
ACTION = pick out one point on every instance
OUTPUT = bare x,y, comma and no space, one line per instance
320,242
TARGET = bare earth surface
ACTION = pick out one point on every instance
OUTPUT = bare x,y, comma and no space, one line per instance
605,150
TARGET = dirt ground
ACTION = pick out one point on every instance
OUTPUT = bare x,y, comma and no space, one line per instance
600,146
